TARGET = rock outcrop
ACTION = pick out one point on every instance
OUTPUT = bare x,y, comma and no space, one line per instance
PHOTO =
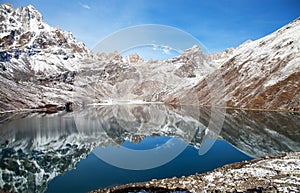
269,174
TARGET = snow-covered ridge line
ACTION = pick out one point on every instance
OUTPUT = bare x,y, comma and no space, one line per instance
47,65
260,74
38,63
26,36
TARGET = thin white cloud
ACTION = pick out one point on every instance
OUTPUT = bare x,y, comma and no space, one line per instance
85,6
154,47
166,49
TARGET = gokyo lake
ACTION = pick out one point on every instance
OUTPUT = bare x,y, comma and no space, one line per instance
104,146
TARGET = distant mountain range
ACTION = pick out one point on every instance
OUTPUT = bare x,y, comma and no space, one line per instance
42,66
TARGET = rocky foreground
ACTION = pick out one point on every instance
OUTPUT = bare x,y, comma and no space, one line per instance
269,174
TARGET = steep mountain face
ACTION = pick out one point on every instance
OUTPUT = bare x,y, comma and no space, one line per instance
23,31
38,62
261,74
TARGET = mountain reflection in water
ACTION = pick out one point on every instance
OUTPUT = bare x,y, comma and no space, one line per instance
35,148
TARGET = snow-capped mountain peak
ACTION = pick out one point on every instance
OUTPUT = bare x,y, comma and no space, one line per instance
24,33
33,20
260,74
21,20
25,26
36,57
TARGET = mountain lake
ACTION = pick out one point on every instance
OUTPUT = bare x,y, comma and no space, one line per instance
104,146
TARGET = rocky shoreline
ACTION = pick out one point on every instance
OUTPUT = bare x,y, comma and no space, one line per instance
279,173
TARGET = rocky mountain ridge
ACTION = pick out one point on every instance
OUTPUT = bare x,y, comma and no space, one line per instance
42,66
38,62
261,74
124,79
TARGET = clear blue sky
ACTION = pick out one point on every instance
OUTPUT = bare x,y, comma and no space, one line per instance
217,24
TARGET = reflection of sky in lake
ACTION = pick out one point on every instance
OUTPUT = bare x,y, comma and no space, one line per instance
58,144
145,157
92,173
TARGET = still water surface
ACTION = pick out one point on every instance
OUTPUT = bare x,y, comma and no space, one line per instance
104,146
